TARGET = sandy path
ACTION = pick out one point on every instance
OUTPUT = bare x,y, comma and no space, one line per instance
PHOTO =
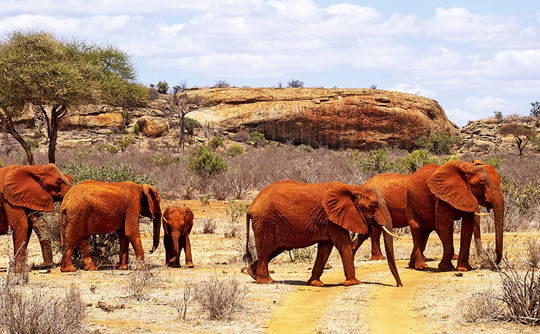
301,310
390,310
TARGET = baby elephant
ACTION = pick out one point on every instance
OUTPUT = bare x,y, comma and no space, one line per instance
177,223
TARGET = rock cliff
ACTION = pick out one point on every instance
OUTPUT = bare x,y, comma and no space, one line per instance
337,118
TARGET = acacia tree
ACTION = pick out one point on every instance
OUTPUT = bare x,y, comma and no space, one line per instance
55,76
182,104
522,135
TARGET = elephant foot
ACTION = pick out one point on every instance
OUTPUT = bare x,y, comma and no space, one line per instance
252,269
264,280
123,267
464,267
315,282
352,281
378,257
173,265
446,266
44,265
90,267
189,265
68,269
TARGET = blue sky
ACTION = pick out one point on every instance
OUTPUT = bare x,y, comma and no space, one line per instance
473,57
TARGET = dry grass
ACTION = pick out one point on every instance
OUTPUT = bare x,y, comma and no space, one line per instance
220,298
481,307
142,280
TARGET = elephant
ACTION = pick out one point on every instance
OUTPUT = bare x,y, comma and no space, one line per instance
438,195
289,214
93,207
24,191
393,188
177,224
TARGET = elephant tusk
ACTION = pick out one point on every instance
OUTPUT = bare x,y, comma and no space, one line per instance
481,214
164,219
390,233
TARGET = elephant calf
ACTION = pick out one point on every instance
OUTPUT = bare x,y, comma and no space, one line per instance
177,224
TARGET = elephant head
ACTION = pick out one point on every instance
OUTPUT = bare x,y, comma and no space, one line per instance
35,187
465,186
354,208
150,207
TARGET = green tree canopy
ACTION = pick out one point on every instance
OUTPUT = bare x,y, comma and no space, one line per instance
38,69
522,134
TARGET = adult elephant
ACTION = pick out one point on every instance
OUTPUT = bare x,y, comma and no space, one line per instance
23,191
437,195
93,207
177,224
393,188
290,214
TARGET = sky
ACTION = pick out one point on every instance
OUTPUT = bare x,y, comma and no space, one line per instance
473,57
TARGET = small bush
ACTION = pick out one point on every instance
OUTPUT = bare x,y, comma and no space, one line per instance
181,304
302,254
257,138
164,160
306,148
415,160
235,210
438,142
295,83
141,281
190,125
533,253
2,163
205,162
124,142
107,148
34,312
205,199
377,161
235,150
221,298
481,307
216,143
107,173
221,84
494,161
498,115
209,225
163,87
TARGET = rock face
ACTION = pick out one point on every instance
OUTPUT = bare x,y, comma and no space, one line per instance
483,136
337,118
153,126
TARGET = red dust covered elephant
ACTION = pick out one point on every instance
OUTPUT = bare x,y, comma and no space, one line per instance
93,207
177,225
290,214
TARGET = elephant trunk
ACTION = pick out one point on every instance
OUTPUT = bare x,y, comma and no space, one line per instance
157,231
383,218
498,209
477,235
175,236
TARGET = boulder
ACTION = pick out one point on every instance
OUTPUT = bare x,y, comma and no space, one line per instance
336,118
153,126
105,120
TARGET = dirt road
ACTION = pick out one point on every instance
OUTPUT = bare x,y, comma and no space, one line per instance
302,310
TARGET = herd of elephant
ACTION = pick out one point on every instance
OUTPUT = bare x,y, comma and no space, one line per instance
284,215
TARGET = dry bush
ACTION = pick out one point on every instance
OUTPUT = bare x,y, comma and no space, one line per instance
486,259
104,249
235,210
14,276
181,304
533,253
221,298
34,312
303,254
142,280
481,307
209,225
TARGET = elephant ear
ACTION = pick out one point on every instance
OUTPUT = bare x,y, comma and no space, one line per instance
338,202
449,184
152,198
188,220
23,188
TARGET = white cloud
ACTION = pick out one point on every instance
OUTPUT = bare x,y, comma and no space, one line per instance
413,89
488,104
303,10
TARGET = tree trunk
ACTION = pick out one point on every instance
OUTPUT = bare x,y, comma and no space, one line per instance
182,127
57,113
10,128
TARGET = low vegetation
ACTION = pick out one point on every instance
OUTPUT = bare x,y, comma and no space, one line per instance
220,298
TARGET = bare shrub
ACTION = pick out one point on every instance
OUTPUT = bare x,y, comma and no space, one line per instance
219,188
481,307
142,280
521,295
181,304
16,274
34,312
209,225
486,259
104,249
302,254
533,253
221,298
235,210
238,182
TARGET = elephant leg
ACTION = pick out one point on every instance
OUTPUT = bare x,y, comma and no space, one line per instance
131,230
167,242
324,248
444,227
417,260
21,235
70,241
187,251
424,235
124,249
340,239
375,237
467,226
262,276
87,256
46,249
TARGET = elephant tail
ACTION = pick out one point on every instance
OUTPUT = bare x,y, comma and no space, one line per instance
248,258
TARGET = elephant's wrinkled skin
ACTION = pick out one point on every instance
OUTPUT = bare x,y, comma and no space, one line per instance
289,214
23,191
436,196
177,224
93,207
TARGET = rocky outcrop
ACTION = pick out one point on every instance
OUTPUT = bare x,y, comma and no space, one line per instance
153,126
336,118
107,120
483,136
